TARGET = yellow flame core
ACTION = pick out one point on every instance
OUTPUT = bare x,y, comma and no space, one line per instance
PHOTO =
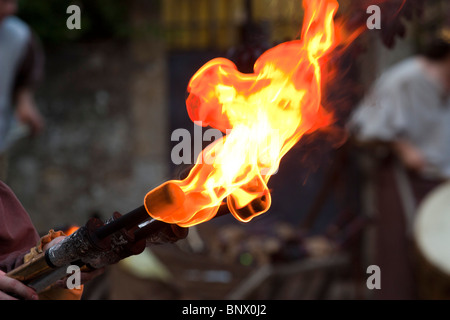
267,112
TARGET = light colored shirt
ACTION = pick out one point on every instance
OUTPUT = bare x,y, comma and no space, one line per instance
406,103
14,38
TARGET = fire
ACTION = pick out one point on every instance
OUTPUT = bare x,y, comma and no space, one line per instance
71,230
264,115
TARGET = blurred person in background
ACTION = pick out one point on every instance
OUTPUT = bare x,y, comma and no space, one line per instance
21,66
407,114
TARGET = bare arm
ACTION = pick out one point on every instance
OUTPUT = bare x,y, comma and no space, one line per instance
27,111
410,155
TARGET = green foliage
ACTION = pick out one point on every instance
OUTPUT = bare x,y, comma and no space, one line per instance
99,19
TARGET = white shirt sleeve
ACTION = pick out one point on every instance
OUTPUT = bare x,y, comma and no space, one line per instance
382,115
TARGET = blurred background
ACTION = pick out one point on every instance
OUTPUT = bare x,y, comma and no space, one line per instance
113,92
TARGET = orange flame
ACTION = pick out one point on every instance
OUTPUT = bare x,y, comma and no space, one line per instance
71,230
264,115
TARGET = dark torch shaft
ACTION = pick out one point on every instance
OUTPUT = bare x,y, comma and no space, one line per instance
166,197
159,231
126,221
97,244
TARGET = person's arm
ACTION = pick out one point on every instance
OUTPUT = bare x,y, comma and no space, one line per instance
385,116
19,243
17,236
29,74
27,111
12,289
411,157
17,232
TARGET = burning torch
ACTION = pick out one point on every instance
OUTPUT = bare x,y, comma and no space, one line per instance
282,96
98,244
